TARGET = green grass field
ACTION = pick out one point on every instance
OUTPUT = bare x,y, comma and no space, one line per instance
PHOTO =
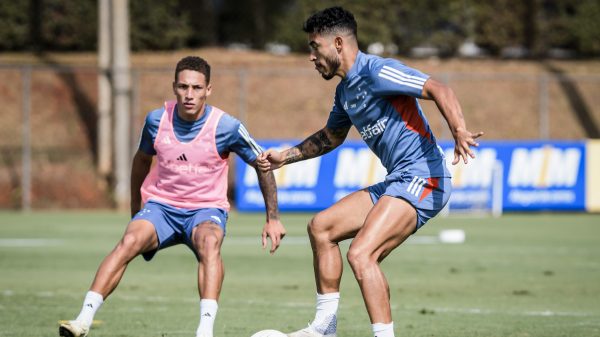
520,275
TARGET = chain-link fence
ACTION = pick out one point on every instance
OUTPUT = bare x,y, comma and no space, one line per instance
48,135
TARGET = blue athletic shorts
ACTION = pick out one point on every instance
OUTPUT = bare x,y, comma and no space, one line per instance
174,225
427,195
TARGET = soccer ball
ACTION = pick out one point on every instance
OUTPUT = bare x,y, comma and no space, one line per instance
269,333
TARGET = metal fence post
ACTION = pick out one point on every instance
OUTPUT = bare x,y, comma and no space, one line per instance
26,149
243,74
446,134
544,117
135,110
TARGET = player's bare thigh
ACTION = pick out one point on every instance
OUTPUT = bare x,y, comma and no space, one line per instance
207,235
388,224
141,236
343,219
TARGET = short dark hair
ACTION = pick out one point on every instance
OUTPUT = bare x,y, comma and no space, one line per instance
193,63
330,20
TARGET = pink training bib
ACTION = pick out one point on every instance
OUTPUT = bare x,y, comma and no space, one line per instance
187,175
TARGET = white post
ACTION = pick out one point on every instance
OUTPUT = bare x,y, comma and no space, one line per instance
497,189
26,150
121,93
104,164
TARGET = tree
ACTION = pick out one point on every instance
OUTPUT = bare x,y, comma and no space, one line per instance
585,25
252,22
372,18
68,25
500,24
14,31
159,24
442,24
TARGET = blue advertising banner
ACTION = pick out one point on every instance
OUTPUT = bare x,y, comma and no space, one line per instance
313,184
527,176
533,175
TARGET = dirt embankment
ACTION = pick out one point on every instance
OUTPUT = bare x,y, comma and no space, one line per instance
275,96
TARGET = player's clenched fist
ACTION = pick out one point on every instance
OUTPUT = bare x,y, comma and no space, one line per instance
270,160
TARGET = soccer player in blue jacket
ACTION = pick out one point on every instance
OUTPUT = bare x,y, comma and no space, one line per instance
379,97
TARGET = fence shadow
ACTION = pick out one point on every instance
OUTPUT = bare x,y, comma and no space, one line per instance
85,107
8,159
576,101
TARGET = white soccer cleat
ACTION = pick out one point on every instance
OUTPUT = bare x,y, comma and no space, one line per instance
309,332
73,329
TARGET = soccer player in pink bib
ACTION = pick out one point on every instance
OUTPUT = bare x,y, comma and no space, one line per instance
184,195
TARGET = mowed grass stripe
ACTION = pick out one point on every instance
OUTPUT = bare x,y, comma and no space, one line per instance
519,275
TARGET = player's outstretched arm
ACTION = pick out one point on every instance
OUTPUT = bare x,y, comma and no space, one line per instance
273,227
139,170
448,104
320,143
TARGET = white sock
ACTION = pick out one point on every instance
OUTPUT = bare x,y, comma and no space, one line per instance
383,330
208,313
91,304
325,321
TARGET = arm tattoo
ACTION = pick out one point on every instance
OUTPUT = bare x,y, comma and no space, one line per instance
320,143
268,187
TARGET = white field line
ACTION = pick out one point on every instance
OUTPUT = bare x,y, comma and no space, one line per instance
543,313
236,240
30,242
310,305
256,240
471,311
303,240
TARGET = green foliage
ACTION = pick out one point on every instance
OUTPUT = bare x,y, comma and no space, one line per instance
288,26
68,25
48,25
172,24
251,22
554,24
203,22
499,24
428,23
586,27
14,31
370,15
159,24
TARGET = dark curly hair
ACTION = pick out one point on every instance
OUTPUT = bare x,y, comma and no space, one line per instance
193,63
330,20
